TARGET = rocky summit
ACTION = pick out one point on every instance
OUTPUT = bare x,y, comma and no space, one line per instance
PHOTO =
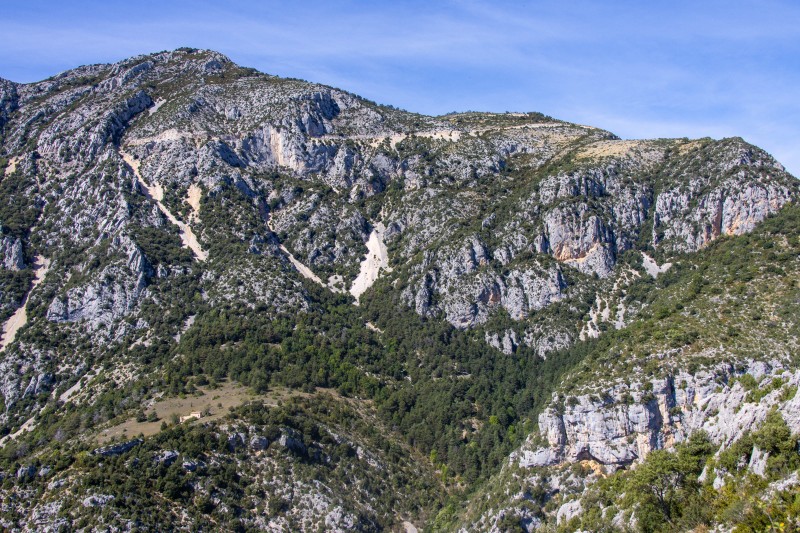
233,301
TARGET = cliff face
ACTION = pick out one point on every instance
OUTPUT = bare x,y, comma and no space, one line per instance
169,184
617,432
630,422
714,354
473,203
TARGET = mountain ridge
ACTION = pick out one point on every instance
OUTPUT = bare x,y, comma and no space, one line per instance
205,223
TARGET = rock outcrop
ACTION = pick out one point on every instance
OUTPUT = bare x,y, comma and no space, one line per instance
178,185
628,422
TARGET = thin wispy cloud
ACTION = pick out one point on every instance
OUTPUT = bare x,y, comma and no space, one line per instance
639,69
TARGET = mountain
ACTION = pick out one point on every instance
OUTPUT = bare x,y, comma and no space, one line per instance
238,301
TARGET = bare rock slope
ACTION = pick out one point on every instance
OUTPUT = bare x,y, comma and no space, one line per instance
178,197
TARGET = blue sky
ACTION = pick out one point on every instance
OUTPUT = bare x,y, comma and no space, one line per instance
640,69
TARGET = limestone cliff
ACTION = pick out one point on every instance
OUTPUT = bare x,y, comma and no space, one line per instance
177,196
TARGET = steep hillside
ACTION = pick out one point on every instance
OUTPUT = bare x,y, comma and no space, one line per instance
715,354
175,223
